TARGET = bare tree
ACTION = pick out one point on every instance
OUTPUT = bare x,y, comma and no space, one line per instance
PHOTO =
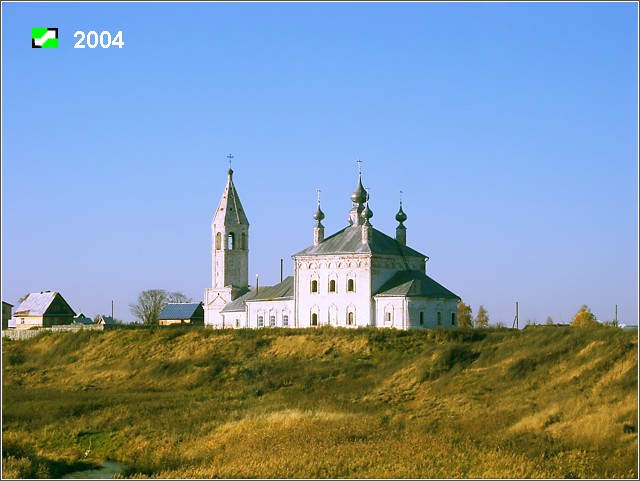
178,297
149,306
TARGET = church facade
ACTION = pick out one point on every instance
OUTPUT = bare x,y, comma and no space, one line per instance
355,277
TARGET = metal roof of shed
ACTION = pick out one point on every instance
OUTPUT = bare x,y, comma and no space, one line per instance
179,310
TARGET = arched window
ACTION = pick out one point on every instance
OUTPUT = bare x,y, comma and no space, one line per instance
285,320
349,318
260,321
314,286
231,241
388,317
218,241
421,317
314,319
332,285
453,318
351,285
439,315
243,244
272,321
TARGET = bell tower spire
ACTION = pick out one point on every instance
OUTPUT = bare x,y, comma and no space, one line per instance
229,252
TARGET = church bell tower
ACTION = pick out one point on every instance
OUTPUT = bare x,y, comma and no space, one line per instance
229,254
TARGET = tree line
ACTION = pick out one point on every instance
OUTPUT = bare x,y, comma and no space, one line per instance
583,318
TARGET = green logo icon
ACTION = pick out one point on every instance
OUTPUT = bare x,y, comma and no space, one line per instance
44,38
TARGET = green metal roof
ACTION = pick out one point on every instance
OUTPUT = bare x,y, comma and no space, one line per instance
349,241
414,284
281,291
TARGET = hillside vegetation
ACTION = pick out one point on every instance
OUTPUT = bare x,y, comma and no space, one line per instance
545,402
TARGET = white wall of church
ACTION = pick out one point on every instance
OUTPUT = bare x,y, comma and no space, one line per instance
415,313
435,312
334,290
214,301
275,313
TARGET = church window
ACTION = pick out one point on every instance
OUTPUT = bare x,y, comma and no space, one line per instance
350,318
260,321
285,320
388,319
244,241
453,318
237,323
231,241
314,319
351,285
439,316
272,321
218,241
421,317
332,285
314,286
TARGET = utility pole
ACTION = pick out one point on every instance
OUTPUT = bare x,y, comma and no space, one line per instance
256,284
616,314
112,319
515,320
281,267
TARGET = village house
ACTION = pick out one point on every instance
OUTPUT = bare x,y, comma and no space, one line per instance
182,313
82,319
43,309
6,314
356,277
104,320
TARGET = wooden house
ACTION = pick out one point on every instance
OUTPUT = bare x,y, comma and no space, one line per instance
43,309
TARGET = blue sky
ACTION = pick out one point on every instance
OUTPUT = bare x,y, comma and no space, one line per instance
512,130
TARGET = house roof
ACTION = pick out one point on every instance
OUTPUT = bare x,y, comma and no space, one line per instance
7,303
105,320
283,290
414,284
82,320
349,241
179,310
37,303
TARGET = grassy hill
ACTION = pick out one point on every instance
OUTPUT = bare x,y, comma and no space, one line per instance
545,402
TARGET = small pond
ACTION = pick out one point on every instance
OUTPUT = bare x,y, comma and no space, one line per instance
108,469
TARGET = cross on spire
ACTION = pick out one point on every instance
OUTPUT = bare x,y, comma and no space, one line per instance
400,198
359,166
318,191
230,157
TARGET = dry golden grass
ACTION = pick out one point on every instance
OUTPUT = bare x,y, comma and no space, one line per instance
328,403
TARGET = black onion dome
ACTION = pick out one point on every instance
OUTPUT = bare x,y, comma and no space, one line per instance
367,213
359,195
401,216
319,215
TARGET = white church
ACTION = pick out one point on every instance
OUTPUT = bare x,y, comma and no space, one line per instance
356,277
